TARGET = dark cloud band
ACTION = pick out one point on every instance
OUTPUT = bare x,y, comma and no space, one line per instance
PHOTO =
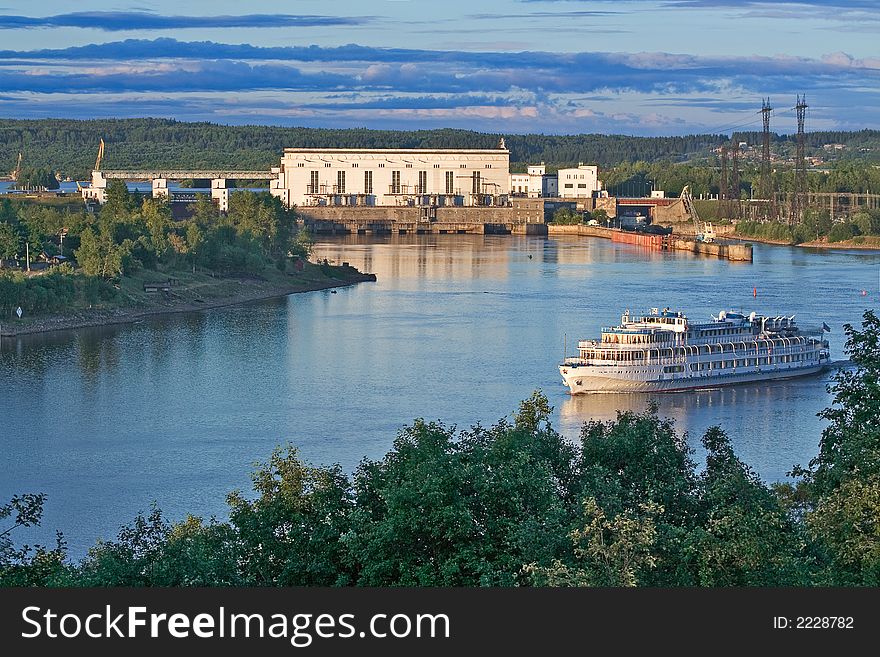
118,21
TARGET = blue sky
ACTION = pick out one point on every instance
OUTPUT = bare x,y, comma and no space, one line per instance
554,66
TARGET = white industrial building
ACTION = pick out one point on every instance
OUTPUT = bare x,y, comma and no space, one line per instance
580,182
393,176
536,183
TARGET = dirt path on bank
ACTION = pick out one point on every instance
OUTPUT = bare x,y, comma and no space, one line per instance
252,291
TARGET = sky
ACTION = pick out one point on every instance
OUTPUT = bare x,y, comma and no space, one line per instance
636,67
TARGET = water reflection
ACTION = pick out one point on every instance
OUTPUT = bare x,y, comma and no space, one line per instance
771,424
460,328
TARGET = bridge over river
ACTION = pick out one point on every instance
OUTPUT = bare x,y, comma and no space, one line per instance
159,178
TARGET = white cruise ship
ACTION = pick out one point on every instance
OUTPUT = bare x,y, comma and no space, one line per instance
662,351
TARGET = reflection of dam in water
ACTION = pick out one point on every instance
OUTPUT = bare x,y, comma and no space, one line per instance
777,437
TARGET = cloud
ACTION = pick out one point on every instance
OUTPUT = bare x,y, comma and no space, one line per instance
117,21
584,13
351,82
734,4
209,65
737,4
175,77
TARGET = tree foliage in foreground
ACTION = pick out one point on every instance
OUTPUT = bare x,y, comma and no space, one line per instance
516,504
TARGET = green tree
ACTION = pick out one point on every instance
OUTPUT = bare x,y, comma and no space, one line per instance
10,242
302,244
28,565
846,527
156,215
850,444
293,533
607,551
99,255
842,232
567,217
119,203
868,222
30,177
747,539
599,215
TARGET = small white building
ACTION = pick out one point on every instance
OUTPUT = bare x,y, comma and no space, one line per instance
393,176
537,183
580,182
519,184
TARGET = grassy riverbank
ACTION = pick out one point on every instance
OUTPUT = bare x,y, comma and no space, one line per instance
190,292
864,242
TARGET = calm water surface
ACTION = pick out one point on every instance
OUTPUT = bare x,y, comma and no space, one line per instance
176,410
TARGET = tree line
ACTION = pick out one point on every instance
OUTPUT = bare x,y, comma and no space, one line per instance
130,233
70,146
516,504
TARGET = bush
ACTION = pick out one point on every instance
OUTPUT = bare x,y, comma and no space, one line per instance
842,232
770,230
867,222
566,217
57,290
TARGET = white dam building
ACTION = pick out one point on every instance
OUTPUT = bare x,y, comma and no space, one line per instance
393,177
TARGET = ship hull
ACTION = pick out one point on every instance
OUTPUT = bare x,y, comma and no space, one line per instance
579,381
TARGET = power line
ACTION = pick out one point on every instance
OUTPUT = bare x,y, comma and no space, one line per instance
736,124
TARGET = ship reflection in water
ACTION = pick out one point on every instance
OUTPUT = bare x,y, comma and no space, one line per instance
761,413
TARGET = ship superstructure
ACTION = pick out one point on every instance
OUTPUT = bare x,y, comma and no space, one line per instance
662,350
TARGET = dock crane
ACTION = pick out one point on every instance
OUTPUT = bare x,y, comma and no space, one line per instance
79,187
100,156
16,172
707,233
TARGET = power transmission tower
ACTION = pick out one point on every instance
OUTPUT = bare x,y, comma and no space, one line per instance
734,181
723,191
766,186
799,193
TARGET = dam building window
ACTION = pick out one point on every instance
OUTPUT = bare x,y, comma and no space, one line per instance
340,182
368,182
395,182
313,182
423,182
476,182
450,183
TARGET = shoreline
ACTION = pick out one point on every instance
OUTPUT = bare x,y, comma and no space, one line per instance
115,316
831,246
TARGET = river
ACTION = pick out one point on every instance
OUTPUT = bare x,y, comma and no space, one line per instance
461,328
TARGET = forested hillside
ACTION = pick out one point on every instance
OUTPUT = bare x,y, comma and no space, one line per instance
70,147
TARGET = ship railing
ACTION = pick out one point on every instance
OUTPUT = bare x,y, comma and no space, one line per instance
703,358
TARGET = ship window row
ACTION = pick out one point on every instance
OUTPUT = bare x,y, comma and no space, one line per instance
639,338
728,331
746,362
630,356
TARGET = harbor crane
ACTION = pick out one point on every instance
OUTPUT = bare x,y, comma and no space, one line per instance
704,234
100,156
